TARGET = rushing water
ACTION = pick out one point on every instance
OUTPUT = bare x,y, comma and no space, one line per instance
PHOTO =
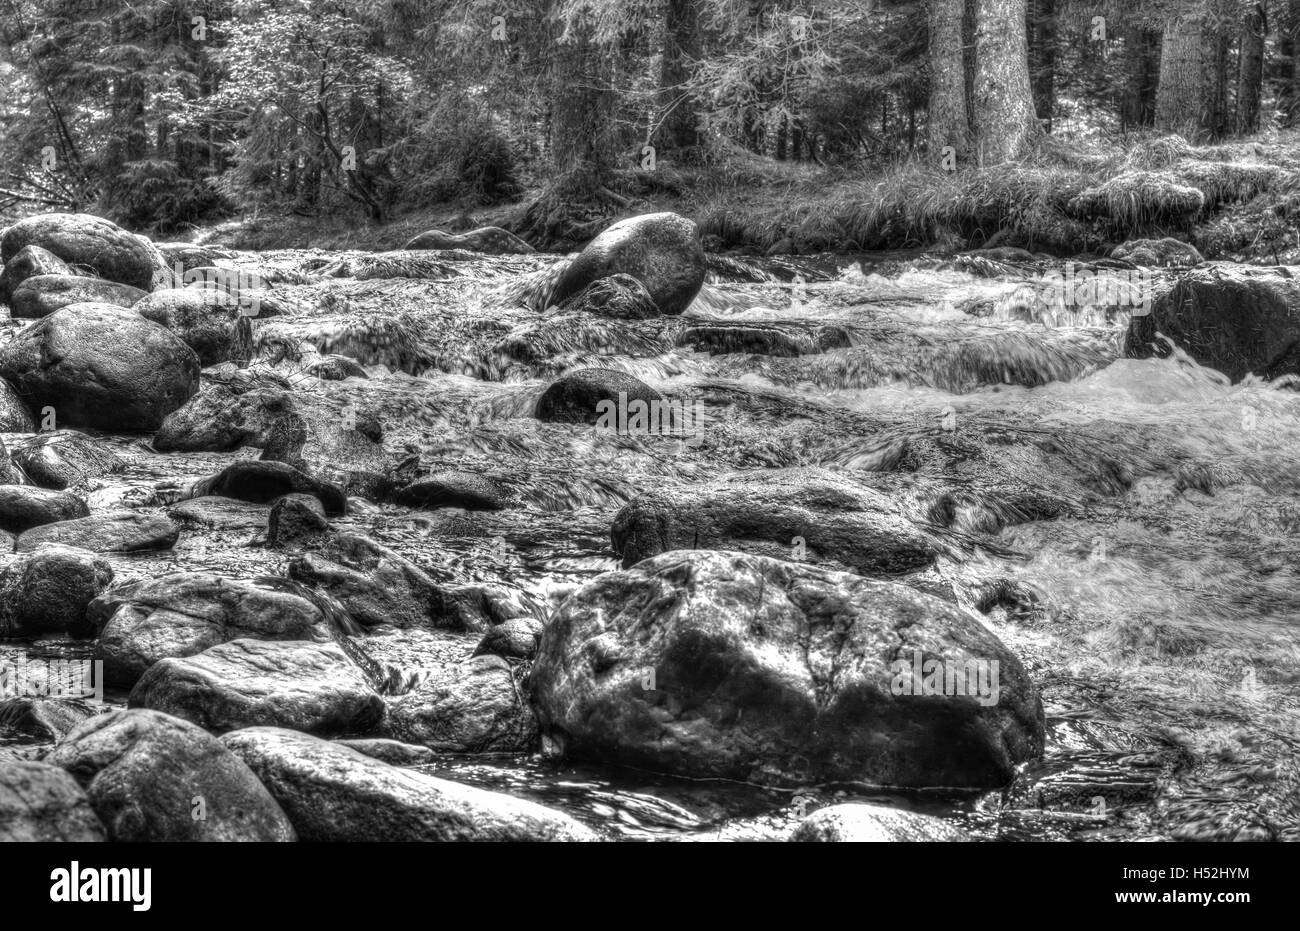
1139,516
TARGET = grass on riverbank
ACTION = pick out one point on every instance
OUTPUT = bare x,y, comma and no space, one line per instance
1237,200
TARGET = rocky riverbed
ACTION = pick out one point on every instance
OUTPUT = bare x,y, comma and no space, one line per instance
647,543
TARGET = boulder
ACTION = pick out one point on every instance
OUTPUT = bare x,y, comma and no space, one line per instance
185,613
1165,252
42,803
208,320
64,459
784,513
490,239
379,586
25,506
28,263
517,638
392,752
1239,320
101,366
47,720
335,368
14,415
120,531
577,397
334,793
296,520
467,490
619,296
213,512
261,482
46,591
97,244
41,295
731,666
152,777
660,250
300,685
473,706
398,660
221,419
859,822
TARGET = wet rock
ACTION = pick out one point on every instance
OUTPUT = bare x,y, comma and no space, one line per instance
1165,252
28,263
48,720
724,665
209,321
397,660
1002,254
661,250
23,507
191,256
79,239
64,459
47,591
392,752
121,531
152,777
303,686
101,366
261,482
577,396
619,296
14,415
1238,320
185,613
221,418
466,490
863,823
759,339
517,638
42,803
474,706
379,586
784,513
335,368
214,512
333,793
41,295
490,239
296,520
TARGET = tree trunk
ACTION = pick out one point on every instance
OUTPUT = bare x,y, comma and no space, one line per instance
1042,58
1250,76
678,130
1005,124
1191,96
1141,77
949,117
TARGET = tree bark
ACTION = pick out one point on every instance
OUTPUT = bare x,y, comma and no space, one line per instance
1005,124
678,130
1191,96
1250,76
1041,29
949,117
1141,77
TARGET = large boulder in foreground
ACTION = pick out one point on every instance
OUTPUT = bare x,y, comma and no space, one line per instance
96,244
101,366
185,613
119,531
660,250
807,514
725,665
152,777
1238,320
470,706
303,686
41,295
42,803
333,793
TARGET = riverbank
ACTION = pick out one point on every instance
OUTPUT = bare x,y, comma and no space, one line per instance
1238,201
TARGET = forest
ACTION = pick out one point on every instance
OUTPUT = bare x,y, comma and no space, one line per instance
893,124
